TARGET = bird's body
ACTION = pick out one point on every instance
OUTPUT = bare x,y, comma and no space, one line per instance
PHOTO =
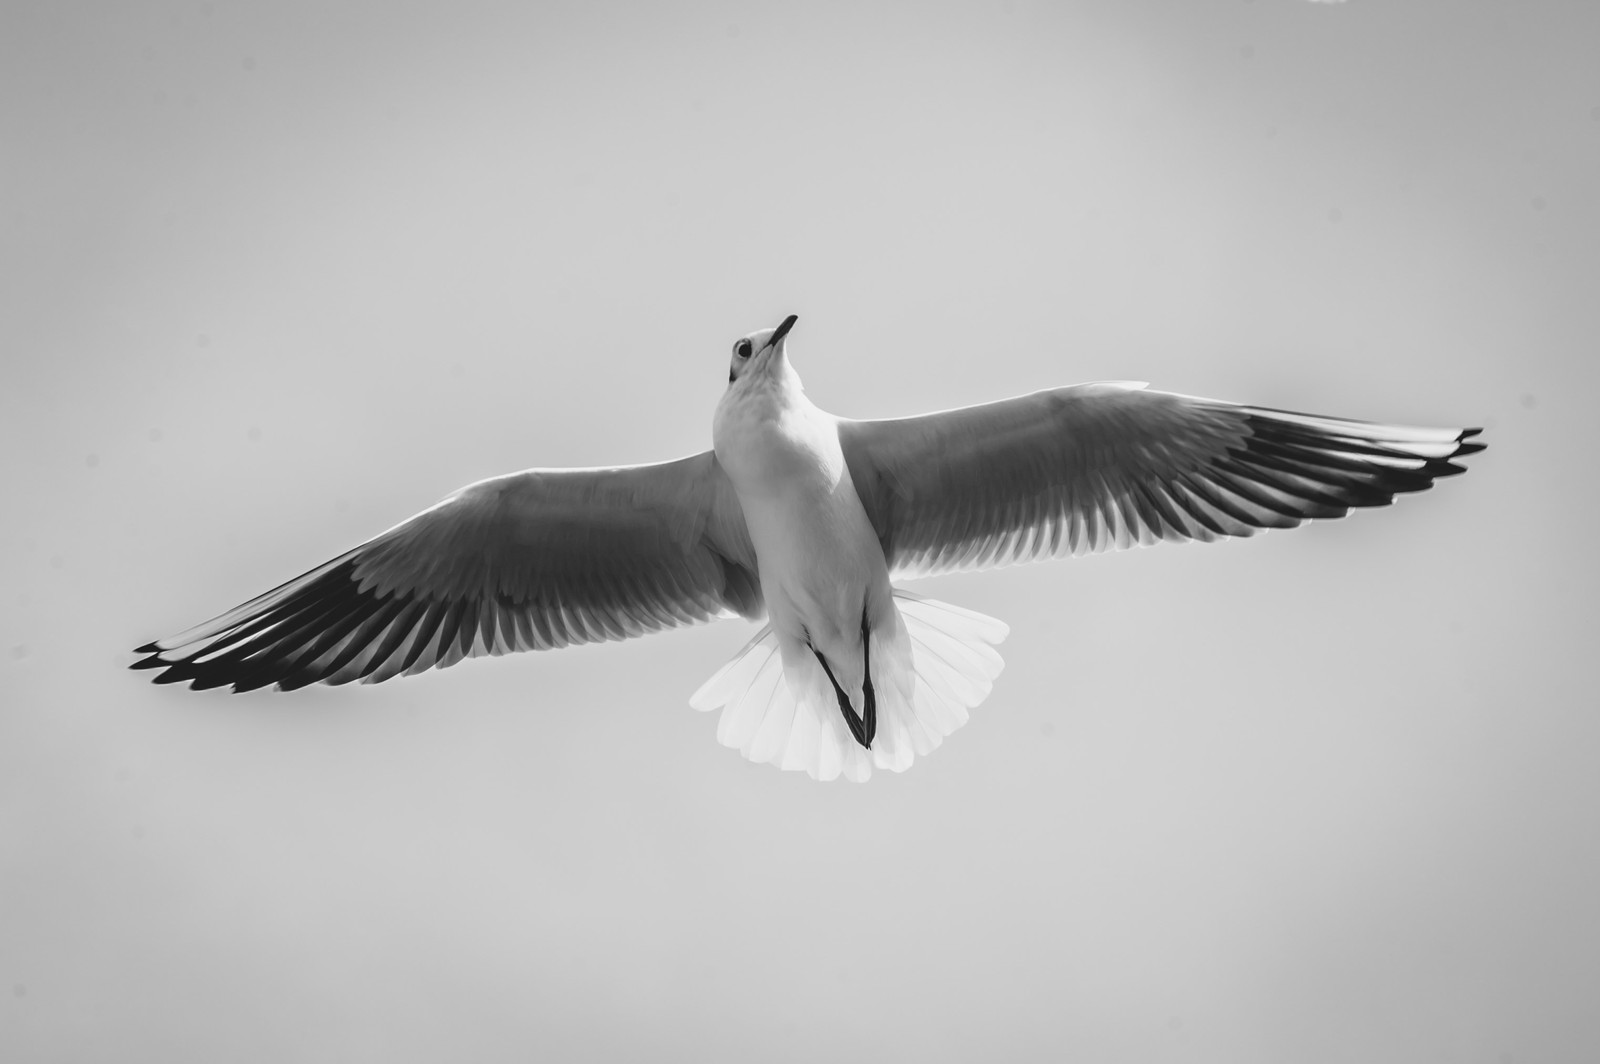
806,518
822,569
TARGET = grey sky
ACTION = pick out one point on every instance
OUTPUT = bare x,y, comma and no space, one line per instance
275,276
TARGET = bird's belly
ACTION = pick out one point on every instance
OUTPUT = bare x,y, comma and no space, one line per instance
820,562
818,555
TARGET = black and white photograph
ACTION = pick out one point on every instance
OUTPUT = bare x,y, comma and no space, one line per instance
1024,530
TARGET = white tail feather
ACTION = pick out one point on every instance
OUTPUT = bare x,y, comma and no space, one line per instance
939,663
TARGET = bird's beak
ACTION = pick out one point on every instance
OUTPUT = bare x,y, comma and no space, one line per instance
783,330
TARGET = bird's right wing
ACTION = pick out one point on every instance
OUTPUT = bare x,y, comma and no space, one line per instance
529,561
1105,466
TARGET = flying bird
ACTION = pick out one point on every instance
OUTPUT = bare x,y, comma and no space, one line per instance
805,519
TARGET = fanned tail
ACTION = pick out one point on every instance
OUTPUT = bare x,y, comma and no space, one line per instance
936,665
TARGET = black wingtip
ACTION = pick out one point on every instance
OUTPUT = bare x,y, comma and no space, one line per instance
1465,444
148,648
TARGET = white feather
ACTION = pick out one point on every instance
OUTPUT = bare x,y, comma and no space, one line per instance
785,712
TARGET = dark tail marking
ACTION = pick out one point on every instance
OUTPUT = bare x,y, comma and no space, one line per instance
865,726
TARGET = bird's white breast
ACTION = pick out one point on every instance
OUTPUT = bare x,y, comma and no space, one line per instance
816,550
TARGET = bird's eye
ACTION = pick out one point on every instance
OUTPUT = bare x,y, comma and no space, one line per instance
742,348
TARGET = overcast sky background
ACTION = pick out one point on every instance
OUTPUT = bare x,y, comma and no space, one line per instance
275,276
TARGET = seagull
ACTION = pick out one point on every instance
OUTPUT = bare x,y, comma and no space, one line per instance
804,520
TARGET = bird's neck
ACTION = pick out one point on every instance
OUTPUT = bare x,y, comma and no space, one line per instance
764,395
779,375
764,424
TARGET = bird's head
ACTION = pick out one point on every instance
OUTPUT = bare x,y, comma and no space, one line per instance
759,352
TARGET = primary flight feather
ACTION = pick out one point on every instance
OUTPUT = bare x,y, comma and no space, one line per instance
805,518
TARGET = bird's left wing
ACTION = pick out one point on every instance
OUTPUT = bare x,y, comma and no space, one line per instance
529,561
1105,466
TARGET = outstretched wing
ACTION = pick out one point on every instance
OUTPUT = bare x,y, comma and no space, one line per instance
1107,466
529,561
